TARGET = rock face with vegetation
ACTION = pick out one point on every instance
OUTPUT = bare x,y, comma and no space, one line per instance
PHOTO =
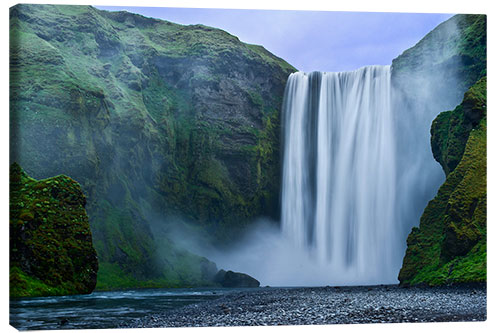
433,76
161,122
445,69
51,251
448,60
155,120
449,246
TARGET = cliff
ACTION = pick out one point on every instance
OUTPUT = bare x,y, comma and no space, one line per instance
456,46
436,75
449,246
155,120
51,250
433,76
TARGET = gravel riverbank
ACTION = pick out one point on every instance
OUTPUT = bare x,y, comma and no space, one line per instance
329,305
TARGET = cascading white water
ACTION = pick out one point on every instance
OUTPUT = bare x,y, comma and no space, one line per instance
339,172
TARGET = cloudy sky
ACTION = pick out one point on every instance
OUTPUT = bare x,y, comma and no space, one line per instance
312,40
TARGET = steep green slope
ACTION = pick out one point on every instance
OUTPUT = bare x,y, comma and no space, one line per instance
450,130
449,246
427,79
51,250
433,76
456,47
153,119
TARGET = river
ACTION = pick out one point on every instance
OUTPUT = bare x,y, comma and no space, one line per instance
101,309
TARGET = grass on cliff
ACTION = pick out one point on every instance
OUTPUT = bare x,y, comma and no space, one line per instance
450,244
24,285
109,99
450,130
461,41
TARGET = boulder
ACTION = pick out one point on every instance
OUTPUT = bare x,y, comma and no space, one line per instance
230,279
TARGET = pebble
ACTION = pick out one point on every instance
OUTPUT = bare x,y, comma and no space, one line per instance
326,305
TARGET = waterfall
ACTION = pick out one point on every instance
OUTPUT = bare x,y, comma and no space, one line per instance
339,172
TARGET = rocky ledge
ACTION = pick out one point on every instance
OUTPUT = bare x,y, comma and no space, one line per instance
329,305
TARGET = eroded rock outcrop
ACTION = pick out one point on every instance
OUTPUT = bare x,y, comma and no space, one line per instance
51,251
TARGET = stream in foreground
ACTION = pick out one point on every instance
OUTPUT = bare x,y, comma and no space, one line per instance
101,309
242,307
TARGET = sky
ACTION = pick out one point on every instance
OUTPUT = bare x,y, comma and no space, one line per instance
312,40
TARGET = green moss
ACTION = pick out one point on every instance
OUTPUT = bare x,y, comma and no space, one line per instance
450,130
23,285
450,244
111,276
180,269
51,251
139,110
459,42
256,99
270,58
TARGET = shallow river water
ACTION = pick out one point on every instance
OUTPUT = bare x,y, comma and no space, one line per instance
101,309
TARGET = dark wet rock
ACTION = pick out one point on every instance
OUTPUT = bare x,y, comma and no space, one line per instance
232,279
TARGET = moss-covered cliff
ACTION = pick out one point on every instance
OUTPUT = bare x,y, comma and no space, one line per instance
433,76
427,79
153,119
449,246
51,251
456,49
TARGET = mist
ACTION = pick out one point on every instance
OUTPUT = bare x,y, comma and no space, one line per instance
273,258
419,93
417,97
279,256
